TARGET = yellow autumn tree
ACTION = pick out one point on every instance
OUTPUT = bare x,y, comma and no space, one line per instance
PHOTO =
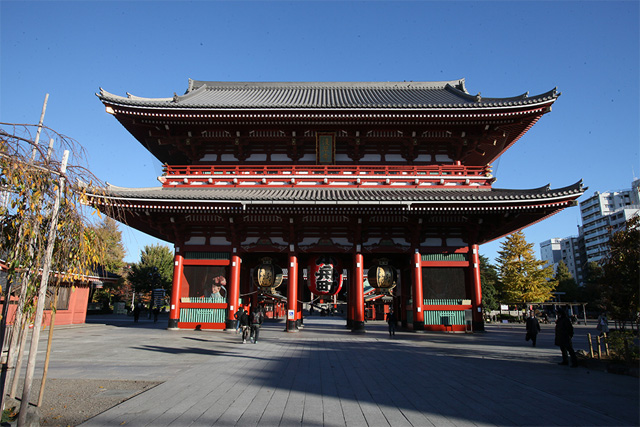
524,278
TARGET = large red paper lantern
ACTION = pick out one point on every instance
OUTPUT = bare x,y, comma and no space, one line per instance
325,275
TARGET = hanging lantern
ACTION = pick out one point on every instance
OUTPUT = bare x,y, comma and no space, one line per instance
267,276
382,275
325,275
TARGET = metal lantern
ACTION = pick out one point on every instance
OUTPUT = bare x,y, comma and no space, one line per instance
382,275
267,275
325,275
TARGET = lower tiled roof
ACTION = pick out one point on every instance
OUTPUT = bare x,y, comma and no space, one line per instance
342,196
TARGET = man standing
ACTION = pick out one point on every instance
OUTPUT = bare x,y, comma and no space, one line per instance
564,333
256,321
533,327
392,320
237,316
244,325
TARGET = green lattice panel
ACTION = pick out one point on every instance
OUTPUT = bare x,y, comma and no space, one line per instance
436,317
444,257
203,315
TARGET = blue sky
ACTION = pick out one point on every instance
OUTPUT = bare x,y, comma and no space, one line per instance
589,50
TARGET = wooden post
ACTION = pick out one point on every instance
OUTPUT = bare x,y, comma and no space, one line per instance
590,345
418,299
234,291
599,350
174,312
35,143
52,322
292,294
42,294
606,344
358,294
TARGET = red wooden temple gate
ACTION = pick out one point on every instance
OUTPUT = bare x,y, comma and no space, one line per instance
325,180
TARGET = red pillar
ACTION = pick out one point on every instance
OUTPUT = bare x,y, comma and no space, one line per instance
292,294
234,291
476,289
174,313
358,294
418,298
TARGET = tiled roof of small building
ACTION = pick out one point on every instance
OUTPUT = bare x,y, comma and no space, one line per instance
327,95
343,196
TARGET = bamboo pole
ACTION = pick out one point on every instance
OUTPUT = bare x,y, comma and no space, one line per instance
42,293
52,322
599,350
24,333
606,344
37,140
590,345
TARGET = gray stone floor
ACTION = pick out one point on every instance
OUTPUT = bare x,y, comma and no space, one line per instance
326,376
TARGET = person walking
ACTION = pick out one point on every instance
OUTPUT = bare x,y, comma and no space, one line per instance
136,312
256,320
533,327
392,320
564,334
236,316
603,324
244,325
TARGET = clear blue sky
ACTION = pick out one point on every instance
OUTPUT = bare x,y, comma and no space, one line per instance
587,49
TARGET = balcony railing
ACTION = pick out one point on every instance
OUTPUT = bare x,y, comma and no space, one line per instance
332,176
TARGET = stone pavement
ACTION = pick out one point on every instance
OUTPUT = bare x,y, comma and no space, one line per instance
326,376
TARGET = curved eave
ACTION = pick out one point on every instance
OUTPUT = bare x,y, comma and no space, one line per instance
329,102
178,198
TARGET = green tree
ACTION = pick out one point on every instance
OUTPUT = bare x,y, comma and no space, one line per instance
566,283
622,272
524,278
110,237
155,269
489,280
591,292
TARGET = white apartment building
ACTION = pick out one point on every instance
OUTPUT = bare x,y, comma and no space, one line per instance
606,212
601,214
568,250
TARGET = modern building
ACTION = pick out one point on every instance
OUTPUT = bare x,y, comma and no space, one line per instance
292,191
604,213
569,250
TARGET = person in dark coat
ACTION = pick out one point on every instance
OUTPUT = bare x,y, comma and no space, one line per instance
533,327
244,325
392,320
256,320
564,334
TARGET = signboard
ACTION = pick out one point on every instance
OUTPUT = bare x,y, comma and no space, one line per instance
291,315
325,148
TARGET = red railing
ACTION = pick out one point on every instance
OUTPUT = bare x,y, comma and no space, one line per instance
301,175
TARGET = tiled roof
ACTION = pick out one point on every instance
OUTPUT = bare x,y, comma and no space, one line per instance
342,196
327,95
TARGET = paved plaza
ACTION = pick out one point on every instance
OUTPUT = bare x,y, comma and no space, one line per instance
326,376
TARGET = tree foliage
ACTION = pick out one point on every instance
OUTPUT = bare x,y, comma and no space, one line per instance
566,283
490,285
44,234
110,237
524,278
621,272
154,270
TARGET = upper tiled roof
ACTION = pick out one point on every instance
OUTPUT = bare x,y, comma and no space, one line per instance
327,95
343,196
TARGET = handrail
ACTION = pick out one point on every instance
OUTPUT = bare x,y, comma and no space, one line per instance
293,170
